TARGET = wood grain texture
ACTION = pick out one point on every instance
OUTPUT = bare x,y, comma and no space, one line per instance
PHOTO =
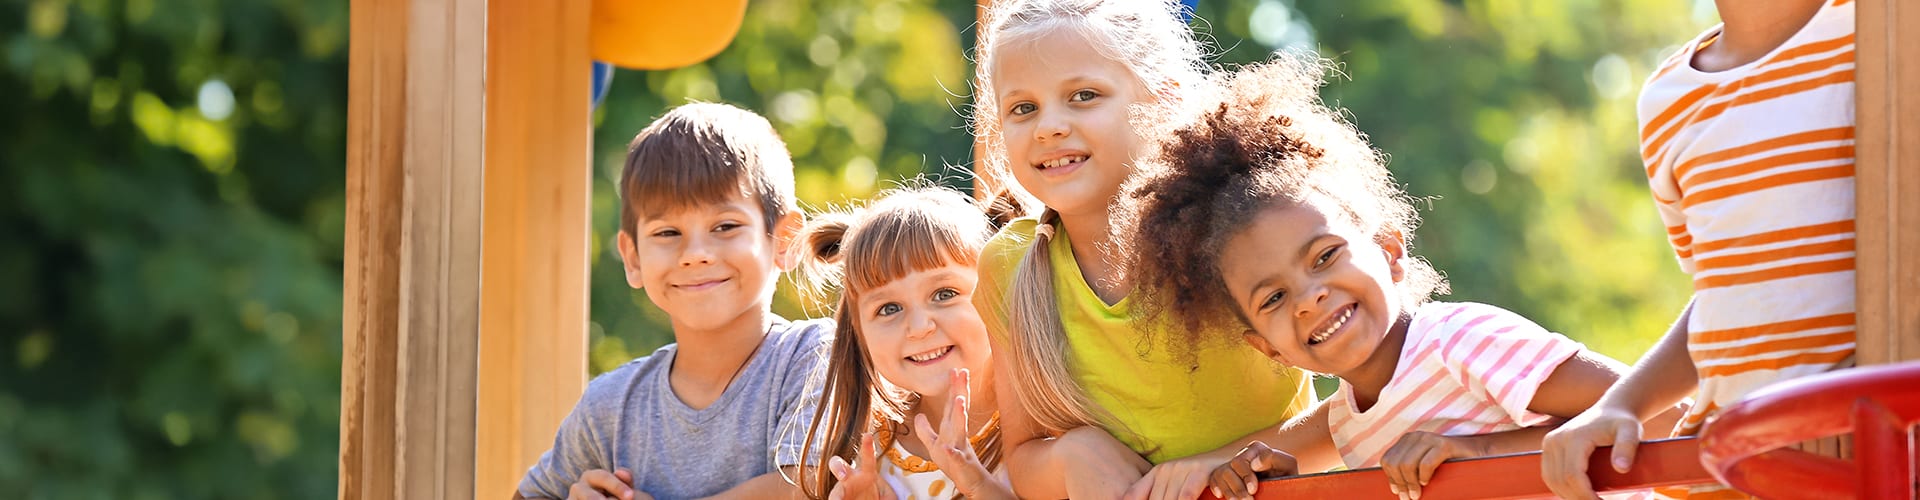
1888,176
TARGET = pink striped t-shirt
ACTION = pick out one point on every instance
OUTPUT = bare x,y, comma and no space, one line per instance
1465,369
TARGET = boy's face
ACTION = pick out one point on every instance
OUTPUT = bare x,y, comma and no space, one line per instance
707,265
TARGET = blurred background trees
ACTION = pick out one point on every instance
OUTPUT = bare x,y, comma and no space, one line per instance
172,205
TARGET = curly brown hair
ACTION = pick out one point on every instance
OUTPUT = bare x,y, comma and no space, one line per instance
1260,137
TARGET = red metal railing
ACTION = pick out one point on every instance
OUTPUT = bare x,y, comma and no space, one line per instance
1745,445
1669,462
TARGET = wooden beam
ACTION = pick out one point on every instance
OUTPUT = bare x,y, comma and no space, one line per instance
1888,176
533,333
466,245
377,60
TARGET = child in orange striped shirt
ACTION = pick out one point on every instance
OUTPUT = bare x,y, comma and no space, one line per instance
1747,135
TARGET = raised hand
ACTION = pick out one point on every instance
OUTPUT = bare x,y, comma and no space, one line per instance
951,448
862,482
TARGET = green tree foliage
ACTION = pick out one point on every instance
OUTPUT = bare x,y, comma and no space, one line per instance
171,206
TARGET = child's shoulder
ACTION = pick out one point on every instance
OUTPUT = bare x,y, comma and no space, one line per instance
800,337
1013,238
613,388
1003,252
1448,323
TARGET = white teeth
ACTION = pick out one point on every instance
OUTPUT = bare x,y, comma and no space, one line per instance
930,355
1322,336
1061,161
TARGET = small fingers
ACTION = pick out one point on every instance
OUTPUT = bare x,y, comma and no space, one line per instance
604,481
1230,480
838,466
1428,465
1626,444
1565,463
924,431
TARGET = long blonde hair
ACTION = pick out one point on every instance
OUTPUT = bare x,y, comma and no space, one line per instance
1149,38
859,249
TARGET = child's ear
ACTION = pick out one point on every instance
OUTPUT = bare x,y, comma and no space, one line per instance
629,258
1259,343
1396,247
786,256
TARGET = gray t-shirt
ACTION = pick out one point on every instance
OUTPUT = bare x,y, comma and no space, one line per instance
630,418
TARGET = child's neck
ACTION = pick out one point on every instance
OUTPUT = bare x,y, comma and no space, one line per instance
1090,238
1373,375
707,360
1752,28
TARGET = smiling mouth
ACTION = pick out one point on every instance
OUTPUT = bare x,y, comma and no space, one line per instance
703,285
1060,162
1338,320
930,356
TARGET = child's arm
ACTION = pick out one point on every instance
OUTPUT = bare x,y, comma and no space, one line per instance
769,485
577,454
1306,440
1661,379
1573,387
1085,462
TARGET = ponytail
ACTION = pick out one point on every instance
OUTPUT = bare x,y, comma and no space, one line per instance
846,393
1042,380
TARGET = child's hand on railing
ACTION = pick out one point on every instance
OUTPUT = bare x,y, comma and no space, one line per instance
862,482
1240,477
1181,479
1410,463
1564,452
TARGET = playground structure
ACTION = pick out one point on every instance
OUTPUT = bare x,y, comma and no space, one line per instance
467,239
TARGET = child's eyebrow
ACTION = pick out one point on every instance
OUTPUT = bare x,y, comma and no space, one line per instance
1307,249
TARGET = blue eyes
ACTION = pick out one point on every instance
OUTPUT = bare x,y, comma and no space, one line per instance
892,308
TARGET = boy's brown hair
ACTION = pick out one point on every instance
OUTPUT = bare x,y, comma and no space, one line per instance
703,153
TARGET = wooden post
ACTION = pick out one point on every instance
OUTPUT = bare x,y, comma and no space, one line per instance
1888,176
533,333
466,242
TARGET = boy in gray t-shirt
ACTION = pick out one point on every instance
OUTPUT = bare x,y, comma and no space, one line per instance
707,215
630,417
